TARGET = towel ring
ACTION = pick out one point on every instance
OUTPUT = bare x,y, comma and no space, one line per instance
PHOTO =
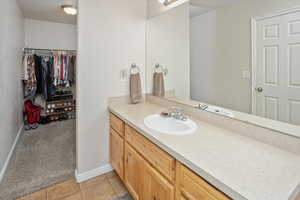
160,69
133,68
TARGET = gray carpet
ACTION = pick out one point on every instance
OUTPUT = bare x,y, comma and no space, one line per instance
42,157
124,197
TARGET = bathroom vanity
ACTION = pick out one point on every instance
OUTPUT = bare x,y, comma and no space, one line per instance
151,173
213,163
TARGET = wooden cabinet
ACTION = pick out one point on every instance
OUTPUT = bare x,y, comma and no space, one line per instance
190,186
156,187
134,166
117,124
117,153
150,173
162,161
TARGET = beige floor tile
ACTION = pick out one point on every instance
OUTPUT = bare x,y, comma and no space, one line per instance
63,190
92,182
103,191
40,195
111,174
74,197
117,185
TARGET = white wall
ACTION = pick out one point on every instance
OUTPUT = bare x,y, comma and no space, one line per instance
234,48
111,36
50,35
168,39
203,57
11,44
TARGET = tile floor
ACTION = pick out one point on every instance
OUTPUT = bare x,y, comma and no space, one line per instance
105,187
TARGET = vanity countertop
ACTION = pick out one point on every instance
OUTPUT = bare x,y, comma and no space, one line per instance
241,167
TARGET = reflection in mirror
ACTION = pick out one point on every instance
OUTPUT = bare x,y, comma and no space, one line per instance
243,55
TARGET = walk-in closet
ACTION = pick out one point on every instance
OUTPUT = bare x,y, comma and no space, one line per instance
44,50
49,86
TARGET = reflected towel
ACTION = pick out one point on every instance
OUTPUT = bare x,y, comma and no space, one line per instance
158,84
135,88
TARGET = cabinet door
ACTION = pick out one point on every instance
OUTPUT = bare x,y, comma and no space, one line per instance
117,153
133,172
156,187
192,187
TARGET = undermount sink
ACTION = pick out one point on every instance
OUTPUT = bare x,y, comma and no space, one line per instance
169,125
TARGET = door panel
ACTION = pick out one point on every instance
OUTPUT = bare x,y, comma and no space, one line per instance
133,172
271,107
271,64
294,63
294,114
278,68
156,187
117,152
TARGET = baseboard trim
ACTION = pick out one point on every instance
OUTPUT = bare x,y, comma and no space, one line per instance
93,173
3,170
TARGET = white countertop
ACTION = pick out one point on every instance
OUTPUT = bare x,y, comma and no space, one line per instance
239,166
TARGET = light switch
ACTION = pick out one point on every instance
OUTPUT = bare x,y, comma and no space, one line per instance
124,75
246,74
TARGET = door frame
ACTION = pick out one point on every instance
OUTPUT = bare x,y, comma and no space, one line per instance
254,21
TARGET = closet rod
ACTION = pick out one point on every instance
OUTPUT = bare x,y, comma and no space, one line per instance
47,49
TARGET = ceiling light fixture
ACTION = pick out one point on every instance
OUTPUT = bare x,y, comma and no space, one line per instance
165,2
70,9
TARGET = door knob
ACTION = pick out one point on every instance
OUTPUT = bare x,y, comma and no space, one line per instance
259,89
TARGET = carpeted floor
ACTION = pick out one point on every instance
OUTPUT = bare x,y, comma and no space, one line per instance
42,157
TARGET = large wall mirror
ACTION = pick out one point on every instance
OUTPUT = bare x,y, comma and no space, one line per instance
242,55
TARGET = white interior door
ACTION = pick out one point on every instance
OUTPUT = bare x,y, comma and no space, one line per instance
277,87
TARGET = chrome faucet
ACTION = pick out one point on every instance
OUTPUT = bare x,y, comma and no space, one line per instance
177,114
201,106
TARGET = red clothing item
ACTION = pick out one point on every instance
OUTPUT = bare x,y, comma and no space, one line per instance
33,112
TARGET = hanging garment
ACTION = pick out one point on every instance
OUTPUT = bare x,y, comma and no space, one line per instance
30,85
72,69
42,74
50,86
38,73
25,69
45,74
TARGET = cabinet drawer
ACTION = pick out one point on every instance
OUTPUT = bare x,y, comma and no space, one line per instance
117,124
193,187
161,160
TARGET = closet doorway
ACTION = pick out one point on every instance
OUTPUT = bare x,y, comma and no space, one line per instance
45,151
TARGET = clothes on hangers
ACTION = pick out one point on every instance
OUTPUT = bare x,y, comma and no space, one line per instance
42,73
64,69
29,76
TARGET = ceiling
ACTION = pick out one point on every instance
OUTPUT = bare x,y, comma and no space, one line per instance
48,10
197,10
199,7
211,3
